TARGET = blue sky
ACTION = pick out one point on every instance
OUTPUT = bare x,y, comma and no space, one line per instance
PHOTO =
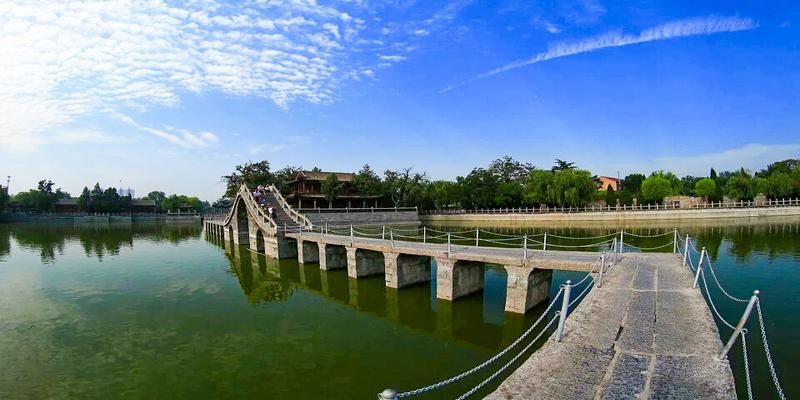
171,95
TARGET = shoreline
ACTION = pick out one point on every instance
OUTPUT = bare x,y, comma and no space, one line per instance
618,218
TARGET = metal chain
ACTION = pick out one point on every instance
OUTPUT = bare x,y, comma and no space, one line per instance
487,362
714,274
767,352
649,236
516,357
711,302
649,248
746,366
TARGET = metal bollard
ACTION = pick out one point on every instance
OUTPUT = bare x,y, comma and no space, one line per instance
544,242
740,325
388,394
564,309
602,267
685,249
477,237
675,241
449,248
525,246
699,267
424,234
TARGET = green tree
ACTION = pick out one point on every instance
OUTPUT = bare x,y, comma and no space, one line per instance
571,187
687,185
611,196
367,182
4,197
738,185
405,187
536,187
705,187
655,188
157,196
443,194
562,165
758,186
508,194
780,186
250,173
633,183
507,169
332,188
625,197
478,188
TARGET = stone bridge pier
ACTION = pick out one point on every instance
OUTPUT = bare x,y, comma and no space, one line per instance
332,256
404,270
526,287
456,279
307,251
361,263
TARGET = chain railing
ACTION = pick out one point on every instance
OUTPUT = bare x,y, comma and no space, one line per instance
739,331
564,290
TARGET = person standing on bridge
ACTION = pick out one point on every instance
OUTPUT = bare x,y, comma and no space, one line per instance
271,211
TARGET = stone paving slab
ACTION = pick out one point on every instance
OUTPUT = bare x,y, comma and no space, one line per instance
684,325
559,371
628,378
677,377
674,278
645,277
637,334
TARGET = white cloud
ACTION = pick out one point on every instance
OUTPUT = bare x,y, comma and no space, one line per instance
670,30
64,60
392,58
178,136
86,136
752,156
281,144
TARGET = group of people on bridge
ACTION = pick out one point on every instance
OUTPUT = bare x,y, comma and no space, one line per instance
260,195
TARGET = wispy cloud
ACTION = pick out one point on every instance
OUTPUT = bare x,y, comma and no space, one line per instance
281,144
62,60
750,156
178,136
670,30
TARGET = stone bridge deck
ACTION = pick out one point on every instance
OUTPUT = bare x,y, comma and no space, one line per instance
646,334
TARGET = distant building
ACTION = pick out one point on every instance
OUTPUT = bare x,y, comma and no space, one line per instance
126,192
305,190
604,182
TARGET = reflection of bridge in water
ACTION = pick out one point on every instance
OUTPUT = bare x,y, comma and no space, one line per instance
636,336
476,321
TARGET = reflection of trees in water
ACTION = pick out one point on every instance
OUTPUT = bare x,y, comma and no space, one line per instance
257,282
96,240
772,240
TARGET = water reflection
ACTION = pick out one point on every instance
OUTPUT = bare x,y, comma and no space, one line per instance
478,319
96,240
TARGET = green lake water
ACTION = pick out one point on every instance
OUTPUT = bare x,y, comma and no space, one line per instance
156,311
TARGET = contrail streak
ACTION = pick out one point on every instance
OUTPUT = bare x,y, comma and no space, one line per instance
670,30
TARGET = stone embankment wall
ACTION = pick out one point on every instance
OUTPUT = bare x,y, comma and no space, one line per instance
611,217
80,219
364,218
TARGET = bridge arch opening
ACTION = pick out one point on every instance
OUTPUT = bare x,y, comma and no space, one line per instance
242,222
230,233
260,241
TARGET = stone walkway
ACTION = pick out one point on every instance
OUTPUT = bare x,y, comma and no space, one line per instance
646,334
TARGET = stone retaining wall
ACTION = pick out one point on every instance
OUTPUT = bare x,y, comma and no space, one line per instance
520,219
364,218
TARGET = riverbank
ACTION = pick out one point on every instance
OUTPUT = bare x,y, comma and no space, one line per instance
613,218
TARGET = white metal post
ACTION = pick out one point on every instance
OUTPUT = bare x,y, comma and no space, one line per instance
621,241
391,237
740,325
675,241
424,234
544,242
602,267
477,237
388,394
449,248
525,246
699,267
383,232
564,309
351,235
685,249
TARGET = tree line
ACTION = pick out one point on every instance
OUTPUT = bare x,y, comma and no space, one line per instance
43,198
507,182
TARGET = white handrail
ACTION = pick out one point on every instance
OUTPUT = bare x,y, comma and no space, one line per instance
296,216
